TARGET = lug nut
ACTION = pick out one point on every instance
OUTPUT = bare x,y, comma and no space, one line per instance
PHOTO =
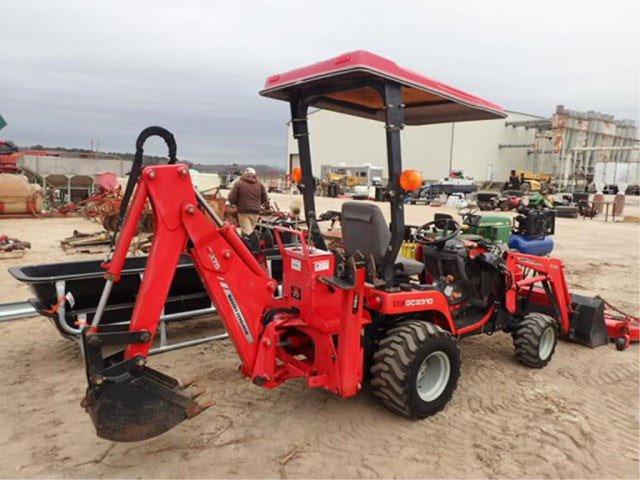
98,380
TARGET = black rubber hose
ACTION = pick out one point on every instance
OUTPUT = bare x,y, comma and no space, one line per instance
136,168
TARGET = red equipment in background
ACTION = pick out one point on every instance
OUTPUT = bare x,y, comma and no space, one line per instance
8,157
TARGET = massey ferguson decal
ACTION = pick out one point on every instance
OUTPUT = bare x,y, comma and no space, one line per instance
237,312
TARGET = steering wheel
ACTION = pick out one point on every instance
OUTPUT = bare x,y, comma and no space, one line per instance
466,212
424,234
470,209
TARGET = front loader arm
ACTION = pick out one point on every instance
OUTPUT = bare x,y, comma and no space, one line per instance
126,399
549,272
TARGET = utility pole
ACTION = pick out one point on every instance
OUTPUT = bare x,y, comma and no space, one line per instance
453,130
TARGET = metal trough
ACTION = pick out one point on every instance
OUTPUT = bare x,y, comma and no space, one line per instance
68,293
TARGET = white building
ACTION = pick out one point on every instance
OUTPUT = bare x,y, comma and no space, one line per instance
474,147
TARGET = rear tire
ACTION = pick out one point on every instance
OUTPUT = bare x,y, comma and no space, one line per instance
535,339
416,369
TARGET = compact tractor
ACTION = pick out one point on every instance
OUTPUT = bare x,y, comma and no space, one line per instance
336,319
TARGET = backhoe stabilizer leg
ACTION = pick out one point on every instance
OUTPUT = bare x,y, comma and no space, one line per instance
128,401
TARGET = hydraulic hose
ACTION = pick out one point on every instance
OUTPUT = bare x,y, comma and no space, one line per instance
136,168
134,175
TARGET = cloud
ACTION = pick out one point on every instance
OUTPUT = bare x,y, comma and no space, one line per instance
73,71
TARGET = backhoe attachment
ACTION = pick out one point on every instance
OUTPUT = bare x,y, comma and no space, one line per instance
310,326
126,400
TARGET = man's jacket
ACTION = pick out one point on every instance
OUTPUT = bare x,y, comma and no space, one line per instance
248,194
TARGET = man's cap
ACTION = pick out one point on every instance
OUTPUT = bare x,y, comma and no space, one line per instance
250,170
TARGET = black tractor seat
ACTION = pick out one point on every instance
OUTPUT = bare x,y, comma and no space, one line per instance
365,230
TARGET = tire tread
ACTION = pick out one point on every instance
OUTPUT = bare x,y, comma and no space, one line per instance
526,339
393,362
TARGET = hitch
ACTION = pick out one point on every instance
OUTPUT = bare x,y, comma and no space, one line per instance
128,401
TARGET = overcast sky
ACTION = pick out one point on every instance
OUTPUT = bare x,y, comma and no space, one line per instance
71,71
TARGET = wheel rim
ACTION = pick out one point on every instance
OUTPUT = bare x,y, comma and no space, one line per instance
433,376
547,341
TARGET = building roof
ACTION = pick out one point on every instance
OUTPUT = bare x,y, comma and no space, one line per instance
341,86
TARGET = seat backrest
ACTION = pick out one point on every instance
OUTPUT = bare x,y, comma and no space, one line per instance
364,229
441,263
442,216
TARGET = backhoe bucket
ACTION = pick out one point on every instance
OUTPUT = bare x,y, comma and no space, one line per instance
128,401
138,404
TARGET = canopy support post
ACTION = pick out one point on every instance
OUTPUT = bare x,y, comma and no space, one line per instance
394,122
300,127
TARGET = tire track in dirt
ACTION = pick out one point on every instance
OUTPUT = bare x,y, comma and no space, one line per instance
506,403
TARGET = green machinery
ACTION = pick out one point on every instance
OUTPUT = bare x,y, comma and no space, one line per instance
496,228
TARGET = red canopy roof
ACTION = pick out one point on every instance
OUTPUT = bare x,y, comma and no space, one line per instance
343,79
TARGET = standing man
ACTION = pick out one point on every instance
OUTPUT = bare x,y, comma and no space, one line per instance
514,181
248,195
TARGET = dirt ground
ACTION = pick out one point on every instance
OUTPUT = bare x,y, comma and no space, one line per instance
576,418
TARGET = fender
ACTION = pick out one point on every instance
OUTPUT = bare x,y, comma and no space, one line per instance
398,303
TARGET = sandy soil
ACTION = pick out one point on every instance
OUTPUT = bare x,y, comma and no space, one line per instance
577,418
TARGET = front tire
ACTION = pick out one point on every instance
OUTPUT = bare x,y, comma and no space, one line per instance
535,339
416,369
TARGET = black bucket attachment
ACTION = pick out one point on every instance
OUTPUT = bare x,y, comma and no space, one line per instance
128,401
587,322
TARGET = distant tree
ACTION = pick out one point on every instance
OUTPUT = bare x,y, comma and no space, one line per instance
265,171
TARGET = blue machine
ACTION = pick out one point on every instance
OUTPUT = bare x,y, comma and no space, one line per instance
531,246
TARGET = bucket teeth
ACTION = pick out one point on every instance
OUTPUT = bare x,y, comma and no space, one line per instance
199,408
189,382
197,392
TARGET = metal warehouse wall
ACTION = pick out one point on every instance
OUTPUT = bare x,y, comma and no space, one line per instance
337,138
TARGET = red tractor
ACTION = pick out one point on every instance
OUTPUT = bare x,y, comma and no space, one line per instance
9,155
337,320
